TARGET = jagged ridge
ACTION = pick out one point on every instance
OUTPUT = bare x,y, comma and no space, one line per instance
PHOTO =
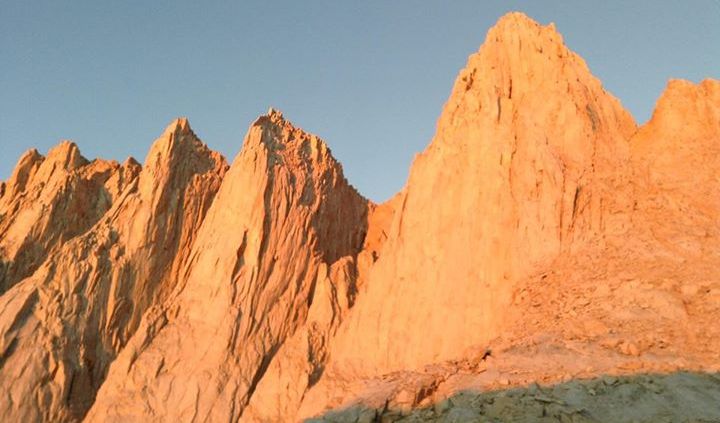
272,290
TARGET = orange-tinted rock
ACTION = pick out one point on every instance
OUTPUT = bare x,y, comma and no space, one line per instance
285,227
541,237
677,157
62,326
527,155
48,201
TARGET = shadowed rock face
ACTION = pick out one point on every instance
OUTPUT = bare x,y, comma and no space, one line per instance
638,398
541,237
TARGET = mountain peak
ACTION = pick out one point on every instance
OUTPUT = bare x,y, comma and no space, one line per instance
529,137
276,133
517,30
682,88
177,132
518,22
130,162
524,70
28,159
25,167
683,100
273,112
534,241
179,125
274,118
67,154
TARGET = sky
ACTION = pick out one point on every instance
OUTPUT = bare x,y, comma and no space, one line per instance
369,77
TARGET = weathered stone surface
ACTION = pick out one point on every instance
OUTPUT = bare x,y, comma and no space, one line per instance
276,251
541,238
528,154
63,326
677,157
541,226
48,201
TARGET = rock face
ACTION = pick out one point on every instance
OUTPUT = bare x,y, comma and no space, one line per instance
541,237
677,161
49,200
62,327
528,155
284,230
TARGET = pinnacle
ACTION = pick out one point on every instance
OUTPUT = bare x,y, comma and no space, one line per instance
177,142
683,86
276,133
130,162
30,155
273,112
175,131
29,159
67,153
518,29
274,117
685,98
679,83
178,125
63,147
518,21
515,19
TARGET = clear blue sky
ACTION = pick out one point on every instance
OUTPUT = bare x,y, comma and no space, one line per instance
369,77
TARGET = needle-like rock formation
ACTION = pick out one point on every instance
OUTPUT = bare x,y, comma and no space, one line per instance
541,238
49,200
62,327
277,249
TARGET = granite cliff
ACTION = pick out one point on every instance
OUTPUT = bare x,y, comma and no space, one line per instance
547,259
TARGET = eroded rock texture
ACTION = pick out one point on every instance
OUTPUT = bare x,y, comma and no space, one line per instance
528,154
49,200
276,251
62,327
542,237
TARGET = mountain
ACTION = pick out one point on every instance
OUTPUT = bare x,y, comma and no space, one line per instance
65,324
543,244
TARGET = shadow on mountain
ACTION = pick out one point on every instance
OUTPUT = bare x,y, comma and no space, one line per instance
652,397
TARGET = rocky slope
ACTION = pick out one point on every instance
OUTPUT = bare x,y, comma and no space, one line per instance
541,238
